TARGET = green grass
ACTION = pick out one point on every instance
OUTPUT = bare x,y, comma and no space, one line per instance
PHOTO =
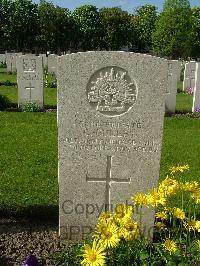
10,92
28,158
28,162
50,95
5,76
184,103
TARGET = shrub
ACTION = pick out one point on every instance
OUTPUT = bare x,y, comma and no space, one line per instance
4,102
31,107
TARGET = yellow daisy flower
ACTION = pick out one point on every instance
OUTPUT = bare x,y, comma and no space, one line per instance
196,197
191,186
105,216
159,226
168,186
178,213
162,215
179,168
170,245
94,255
191,225
156,198
129,230
197,226
140,199
122,212
107,233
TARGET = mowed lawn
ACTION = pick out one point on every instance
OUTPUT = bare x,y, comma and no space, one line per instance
28,158
28,162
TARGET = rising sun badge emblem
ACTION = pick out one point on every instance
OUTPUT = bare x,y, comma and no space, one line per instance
111,91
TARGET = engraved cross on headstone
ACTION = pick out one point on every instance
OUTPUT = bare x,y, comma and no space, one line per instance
108,180
30,88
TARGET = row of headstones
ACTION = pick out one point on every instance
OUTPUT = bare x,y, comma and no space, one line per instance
30,78
11,60
111,109
191,83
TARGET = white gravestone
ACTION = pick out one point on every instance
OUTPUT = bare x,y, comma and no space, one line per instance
110,119
171,90
189,75
11,62
2,58
44,59
30,79
52,63
196,95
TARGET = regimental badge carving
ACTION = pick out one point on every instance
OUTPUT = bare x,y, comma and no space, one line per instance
111,91
29,65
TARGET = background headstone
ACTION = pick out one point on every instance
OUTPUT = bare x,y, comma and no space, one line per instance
30,79
2,58
11,62
174,72
110,120
52,63
189,75
44,59
196,95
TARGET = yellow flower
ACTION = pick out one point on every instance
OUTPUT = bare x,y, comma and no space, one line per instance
93,256
129,230
179,168
122,212
197,226
140,199
196,196
105,216
170,245
178,213
168,186
162,215
159,226
107,233
191,186
191,225
198,244
156,198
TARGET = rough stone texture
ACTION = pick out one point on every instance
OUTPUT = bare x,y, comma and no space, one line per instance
196,95
189,75
2,58
173,77
11,62
52,63
30,79
109,140
44,59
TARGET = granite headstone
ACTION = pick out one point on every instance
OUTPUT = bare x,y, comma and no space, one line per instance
173,78
30,79
110,120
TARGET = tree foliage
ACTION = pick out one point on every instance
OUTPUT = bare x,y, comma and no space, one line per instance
87,22
115,28
55,26
172,36
27,26
196,32
145,24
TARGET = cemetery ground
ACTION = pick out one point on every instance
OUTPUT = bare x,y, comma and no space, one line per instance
28,167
